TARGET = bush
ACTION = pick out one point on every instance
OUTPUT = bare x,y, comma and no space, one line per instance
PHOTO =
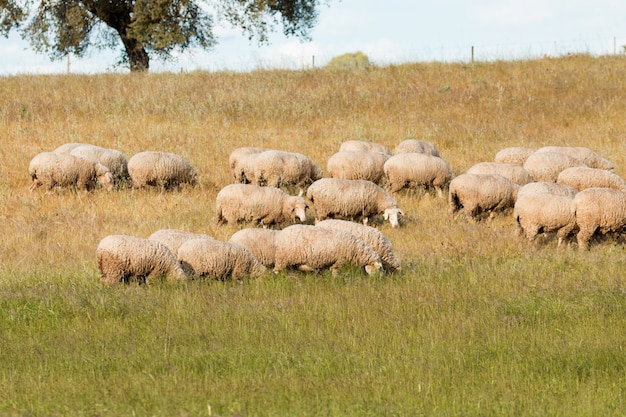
356,60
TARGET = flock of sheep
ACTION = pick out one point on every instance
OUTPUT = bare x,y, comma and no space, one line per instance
563,190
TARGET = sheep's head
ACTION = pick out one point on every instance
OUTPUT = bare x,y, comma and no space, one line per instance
392,214
296,208
374,268
104,176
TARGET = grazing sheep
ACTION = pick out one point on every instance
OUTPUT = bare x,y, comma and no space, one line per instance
124,258
284,169
110,158
357,165
361,145
547,187
515,173
241,163
209,258
546,166
68,147
307,248
515,155
173,238
599,210
52,169
253,203
260,242
161,169
542,212
370,235
415,170
585,155
477,194
584,177
416,146
347,199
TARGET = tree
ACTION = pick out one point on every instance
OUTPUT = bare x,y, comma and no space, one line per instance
147,28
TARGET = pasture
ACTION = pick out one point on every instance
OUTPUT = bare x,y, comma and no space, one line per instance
478,322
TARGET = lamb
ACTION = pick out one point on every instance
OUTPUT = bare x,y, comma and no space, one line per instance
110,158
361,145
373,237
161,169
52,169
252,203
416,146
308,248
357,165
285,169
547,187
546,166
174,238
585,155
417,170
209,258
478,194
125,258
584,177
347,199
241,163
515,155
601,210
515,173
260,242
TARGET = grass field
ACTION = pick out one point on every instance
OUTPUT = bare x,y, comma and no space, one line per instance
478,322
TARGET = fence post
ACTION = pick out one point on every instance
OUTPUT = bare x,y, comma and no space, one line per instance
472,54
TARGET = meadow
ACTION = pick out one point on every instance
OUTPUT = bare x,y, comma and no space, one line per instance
478,322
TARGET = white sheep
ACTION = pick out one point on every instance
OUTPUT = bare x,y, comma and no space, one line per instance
585,155
547,187
174,238
260,242
370,235
241,163
357,165
348,199
546,166
416,146
52,169
585,177
477,194
542,212
285,169
253,203
515,155
124,258
308,248
110,158
209,258
68,147
515,173
361,145
161,169
416,170
599,210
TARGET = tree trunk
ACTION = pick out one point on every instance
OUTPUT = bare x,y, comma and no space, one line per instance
137,56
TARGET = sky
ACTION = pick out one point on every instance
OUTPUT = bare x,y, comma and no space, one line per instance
388,32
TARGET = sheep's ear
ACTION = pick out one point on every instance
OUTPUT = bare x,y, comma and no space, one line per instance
386,215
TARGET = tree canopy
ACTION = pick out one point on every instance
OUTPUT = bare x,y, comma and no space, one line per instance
148,28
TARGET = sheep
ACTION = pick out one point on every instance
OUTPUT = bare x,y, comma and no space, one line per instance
546,166
515,173
515,155
347,199
125,258
161,169
110,158
370,235
241,163
477,194
173,238
416,146
547,187
584,177
599,210
285,169
260,242
361,145
543,212
308,247
209,258
417,170
585,155
68,147
52,169
357,165
253,203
